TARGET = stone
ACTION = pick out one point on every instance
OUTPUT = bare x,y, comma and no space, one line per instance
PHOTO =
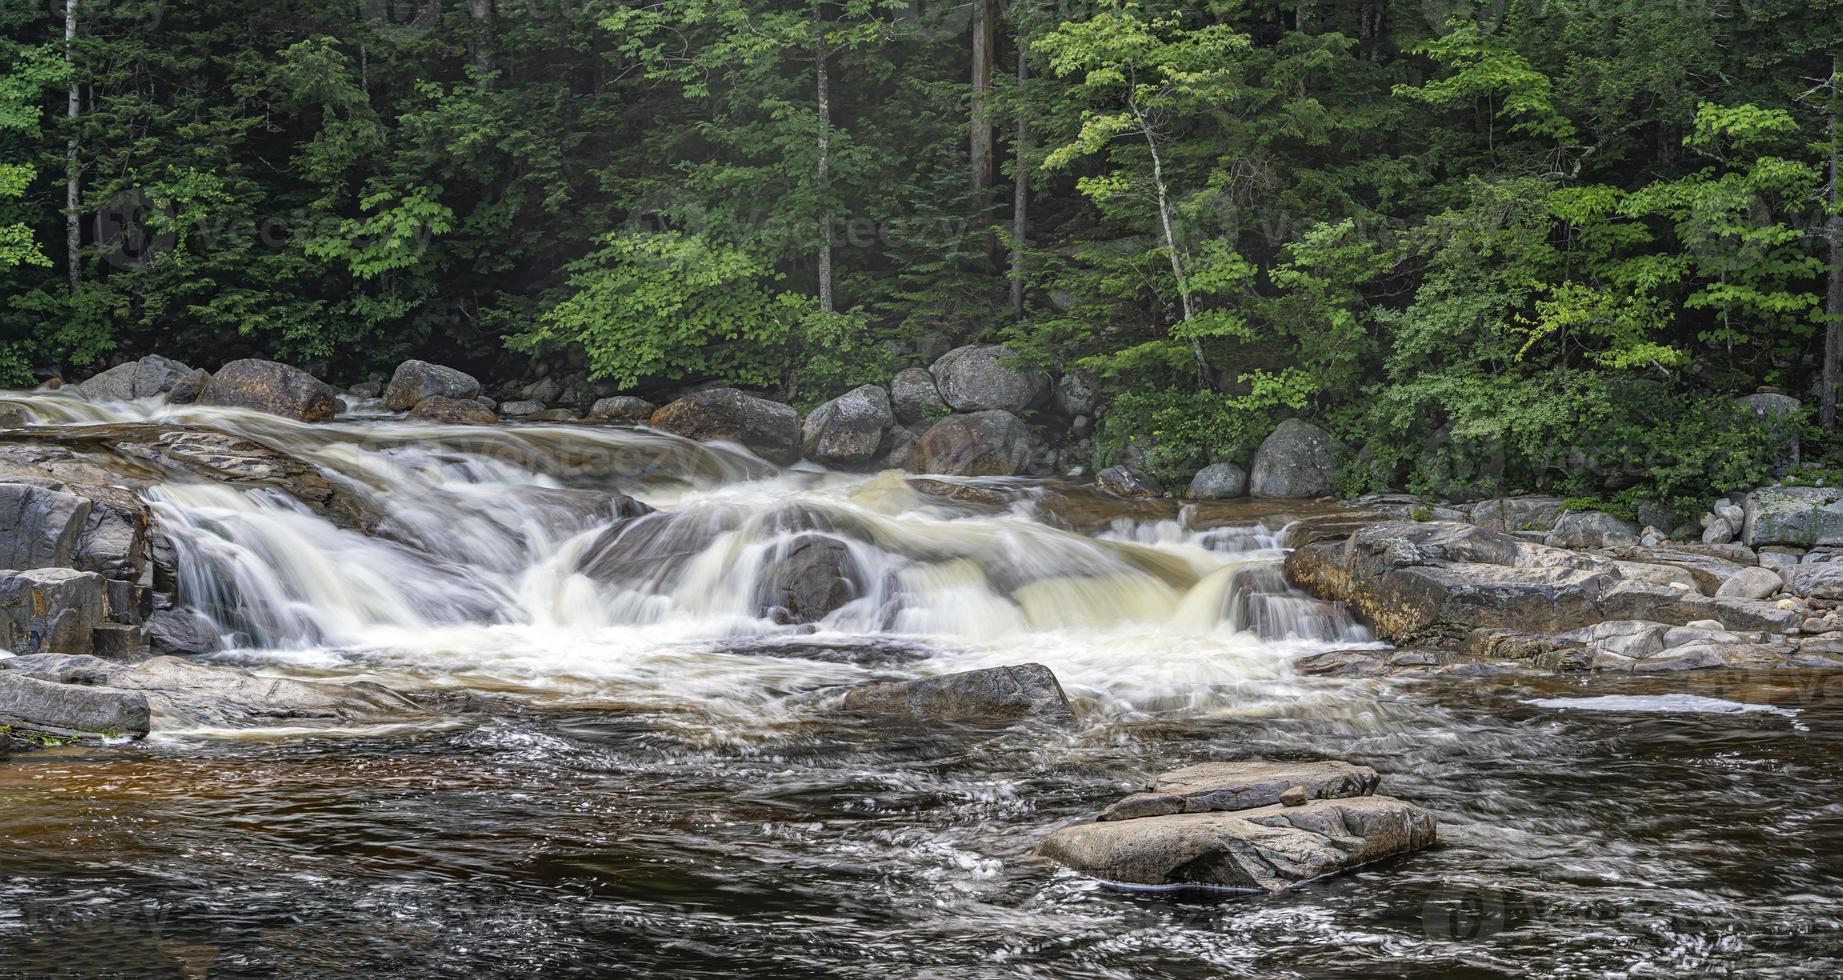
1529,513
807,578
1218,786
768,429
225,458
1780,410
1296,460
1804,517
51,610
186,390
114,538
415,381
1591,530
1717,530
1267,849
269,386
151,375
1219,481
1295,797
1123,482
1077,394
1751,583
520,409
995,694
69,710
183,694
554,415
977,378
117,641
915,399
1822,580
622,410
182,631
899,446
367,390
848,431
544,391
994,443
40,524
453,411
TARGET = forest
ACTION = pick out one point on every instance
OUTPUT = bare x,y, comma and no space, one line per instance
1491,246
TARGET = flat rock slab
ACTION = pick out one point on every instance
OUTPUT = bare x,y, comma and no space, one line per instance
70,710
995,694
179,693
1267,849
1222,786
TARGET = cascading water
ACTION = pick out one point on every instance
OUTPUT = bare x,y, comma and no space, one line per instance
635,763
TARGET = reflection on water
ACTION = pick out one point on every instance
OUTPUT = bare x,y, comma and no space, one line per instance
639,772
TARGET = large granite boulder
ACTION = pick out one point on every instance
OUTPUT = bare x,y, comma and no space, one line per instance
1433,582
1530,513
51,610
453,411
994,694
914,397
848,431
1591,530
807,578
1751,583
1077,393
1218,786
269,386
149,376
622,410
40,524
1782,413
182,694
1266,849
977,378
994,443
417,380
1803,517
1219,481
768,429
1296,460
182,632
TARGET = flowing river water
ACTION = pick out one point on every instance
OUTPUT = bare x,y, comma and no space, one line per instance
628,769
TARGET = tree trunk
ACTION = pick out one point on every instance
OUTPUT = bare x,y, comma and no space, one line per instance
1020,190
482,13
823,168
1833,306
981,141
1177,263
73,221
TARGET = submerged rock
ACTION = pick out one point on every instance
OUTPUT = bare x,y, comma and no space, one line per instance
1268,849
994,694
1296,460
769,429
269,386
1218,786
181,694
415,381
806,579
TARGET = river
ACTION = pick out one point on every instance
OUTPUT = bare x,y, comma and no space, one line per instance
630,770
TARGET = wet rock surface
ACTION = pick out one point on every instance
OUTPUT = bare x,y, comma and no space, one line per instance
769,429
273,387
992,695
992,443
415,381
1218,786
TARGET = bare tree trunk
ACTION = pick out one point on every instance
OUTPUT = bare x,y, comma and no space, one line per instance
73,221
824,167
1833,306
482,12
981,141
1177,262
1020,190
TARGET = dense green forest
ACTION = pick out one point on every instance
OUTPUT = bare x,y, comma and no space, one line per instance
1535,242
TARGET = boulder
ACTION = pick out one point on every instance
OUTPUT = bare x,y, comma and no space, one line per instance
1528,513
1782,410
186,390
622,410
149,376
51,610
268,386
182,631
1219,481
1078,393
543,391
994,443
915,399
69,710
1267,849
1123,482
520,409
899,446
367,389
415,381
769,429
114,538
118,641
977,378
440,408
807,578
40,524
1220,786
1592,530
1823,580
1804,517
1750,583
1296,460
849,430
183,694
994,694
